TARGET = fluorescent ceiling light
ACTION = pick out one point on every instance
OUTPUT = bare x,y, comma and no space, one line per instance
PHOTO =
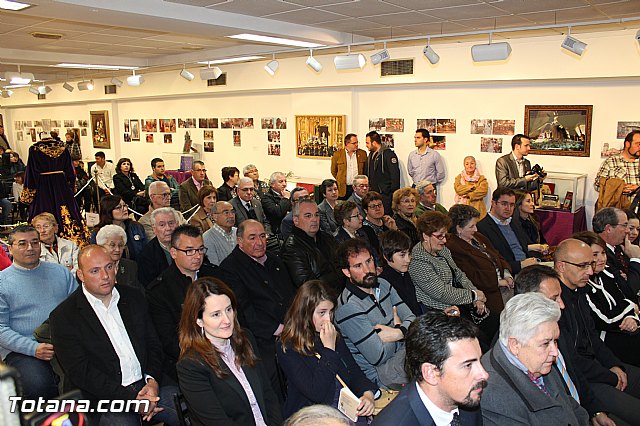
96,67
231,60
18,77
68,87
186,75
211,73
116,81
272,67
15,86
85,85
274,40
13,5
349,62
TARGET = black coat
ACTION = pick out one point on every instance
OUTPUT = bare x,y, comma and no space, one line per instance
165,296
488,227
404,287
630,285
408,228
122,186
225,192
151,262
83,348
275,208
127,274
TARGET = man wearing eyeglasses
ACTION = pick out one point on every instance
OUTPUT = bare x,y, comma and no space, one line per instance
165,294
29,291
220,239
155,257
616,384
188,192
247,206
347,163
53,248
360,189
160,196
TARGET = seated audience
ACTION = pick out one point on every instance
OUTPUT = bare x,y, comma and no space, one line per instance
297,193
349,219
230,177
165,294
188,192
312,354
16,190
16,165
373,205
396,251
507,238
477,258
260,187
403,204
158,175
53,248
360,189
471,187
275,202
220,239
427,194
126,182
247,206
107,345
308,252
114,211
159,196
373,327
114,239
614,315
447,379
524,218
221,378
29,291
203,217
261,308
156,255
329,190
523,387
634,227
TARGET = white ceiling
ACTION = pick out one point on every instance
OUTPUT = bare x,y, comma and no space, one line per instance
158,33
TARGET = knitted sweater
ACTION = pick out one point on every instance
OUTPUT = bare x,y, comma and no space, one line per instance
26,299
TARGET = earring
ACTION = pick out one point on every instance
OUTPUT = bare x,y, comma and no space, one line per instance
202,330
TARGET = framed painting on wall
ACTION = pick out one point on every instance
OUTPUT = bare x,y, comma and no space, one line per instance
559,129
100,129
319,136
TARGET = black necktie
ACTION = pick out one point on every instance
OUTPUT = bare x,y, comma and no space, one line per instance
624,264
456,420
251,212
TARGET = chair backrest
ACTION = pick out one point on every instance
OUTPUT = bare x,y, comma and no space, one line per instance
182,409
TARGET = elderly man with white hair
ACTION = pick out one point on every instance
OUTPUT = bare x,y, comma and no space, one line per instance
159,196
524,386
155,256
114,239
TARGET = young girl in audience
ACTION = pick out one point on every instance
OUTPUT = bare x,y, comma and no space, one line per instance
315,358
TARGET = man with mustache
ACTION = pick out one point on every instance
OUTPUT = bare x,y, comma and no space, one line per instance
625,166
371,316
443,362
524,387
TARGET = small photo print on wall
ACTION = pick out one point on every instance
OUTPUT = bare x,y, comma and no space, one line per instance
149,125
28,124
83,123
426,123
481,126
168,138
207,135
20,136
445,125
18,125
135,130
126,126
438,142
492,145
274,149
281,123
395,125
387,140
83,131
504,127
626,127
68,123
236,138
186,123
208,146
273,136
610,149
127,137
168,125
267,123
149,138
236,123
376,124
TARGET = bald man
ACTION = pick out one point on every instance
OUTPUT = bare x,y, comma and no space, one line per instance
616,384
220,239
123,361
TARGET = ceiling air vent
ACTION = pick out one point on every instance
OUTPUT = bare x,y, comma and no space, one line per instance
398,67
47,36
220,81
42,96
110,89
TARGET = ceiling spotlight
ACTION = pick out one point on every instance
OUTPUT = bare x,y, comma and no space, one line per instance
85,85
272,66
68,87
349,61
43,90
116,81
186,74
34,90
430,54
573,45
18,77
491,51
210,73
6,93
382,55
313,62
135,80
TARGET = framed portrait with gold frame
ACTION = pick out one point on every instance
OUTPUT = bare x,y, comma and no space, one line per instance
319,136
559,129
100,129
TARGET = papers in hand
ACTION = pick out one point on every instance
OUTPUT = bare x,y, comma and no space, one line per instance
348,404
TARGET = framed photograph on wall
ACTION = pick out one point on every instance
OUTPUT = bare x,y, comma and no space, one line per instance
135,130
559,129
100,129
319,136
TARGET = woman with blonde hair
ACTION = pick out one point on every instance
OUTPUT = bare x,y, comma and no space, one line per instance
471,187
404,204
220,376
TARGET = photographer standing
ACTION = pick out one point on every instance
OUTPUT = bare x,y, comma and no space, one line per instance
514,171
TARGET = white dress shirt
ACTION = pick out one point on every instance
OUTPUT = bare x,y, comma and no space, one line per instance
352,166
439,416
105,174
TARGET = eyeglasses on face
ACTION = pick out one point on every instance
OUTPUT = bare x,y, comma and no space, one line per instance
250,189
165,195
375,206
121,207
439,236
191,252
582,266
353,216
23,245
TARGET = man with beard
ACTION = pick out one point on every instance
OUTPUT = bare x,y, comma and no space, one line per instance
625,166
447,378
371,317
524,388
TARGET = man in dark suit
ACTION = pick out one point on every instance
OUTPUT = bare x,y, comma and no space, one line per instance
188,192
155,256
247,206
512,170
383,170
443,362
275,202
623,258
347,163
507,238
107,345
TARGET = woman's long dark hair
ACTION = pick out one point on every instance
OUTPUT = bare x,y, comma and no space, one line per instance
107,204
193,340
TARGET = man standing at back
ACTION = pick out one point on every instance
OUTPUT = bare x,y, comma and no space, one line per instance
346,164
383,170
512,170
103,171
157,174
424,163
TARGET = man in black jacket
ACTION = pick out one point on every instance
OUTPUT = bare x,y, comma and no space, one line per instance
308,252
166,293
383,170
275,202
263,289
155,256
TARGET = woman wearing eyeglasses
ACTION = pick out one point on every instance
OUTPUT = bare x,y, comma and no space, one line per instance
114,211
404,204
614,315
349,219
114,239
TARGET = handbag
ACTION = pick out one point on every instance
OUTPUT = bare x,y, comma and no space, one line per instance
467,310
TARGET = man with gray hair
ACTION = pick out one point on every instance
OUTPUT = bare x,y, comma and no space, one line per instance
155,257
427,202
247,206
360,189
275,202
251,171
623,258
159,196
524,388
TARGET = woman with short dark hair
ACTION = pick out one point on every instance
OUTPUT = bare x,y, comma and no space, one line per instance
114,211
126,182
203,217
329,190
230,177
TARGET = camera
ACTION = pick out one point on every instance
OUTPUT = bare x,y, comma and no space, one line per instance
539,171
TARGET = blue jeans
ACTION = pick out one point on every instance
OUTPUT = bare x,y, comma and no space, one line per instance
36,376
168,415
